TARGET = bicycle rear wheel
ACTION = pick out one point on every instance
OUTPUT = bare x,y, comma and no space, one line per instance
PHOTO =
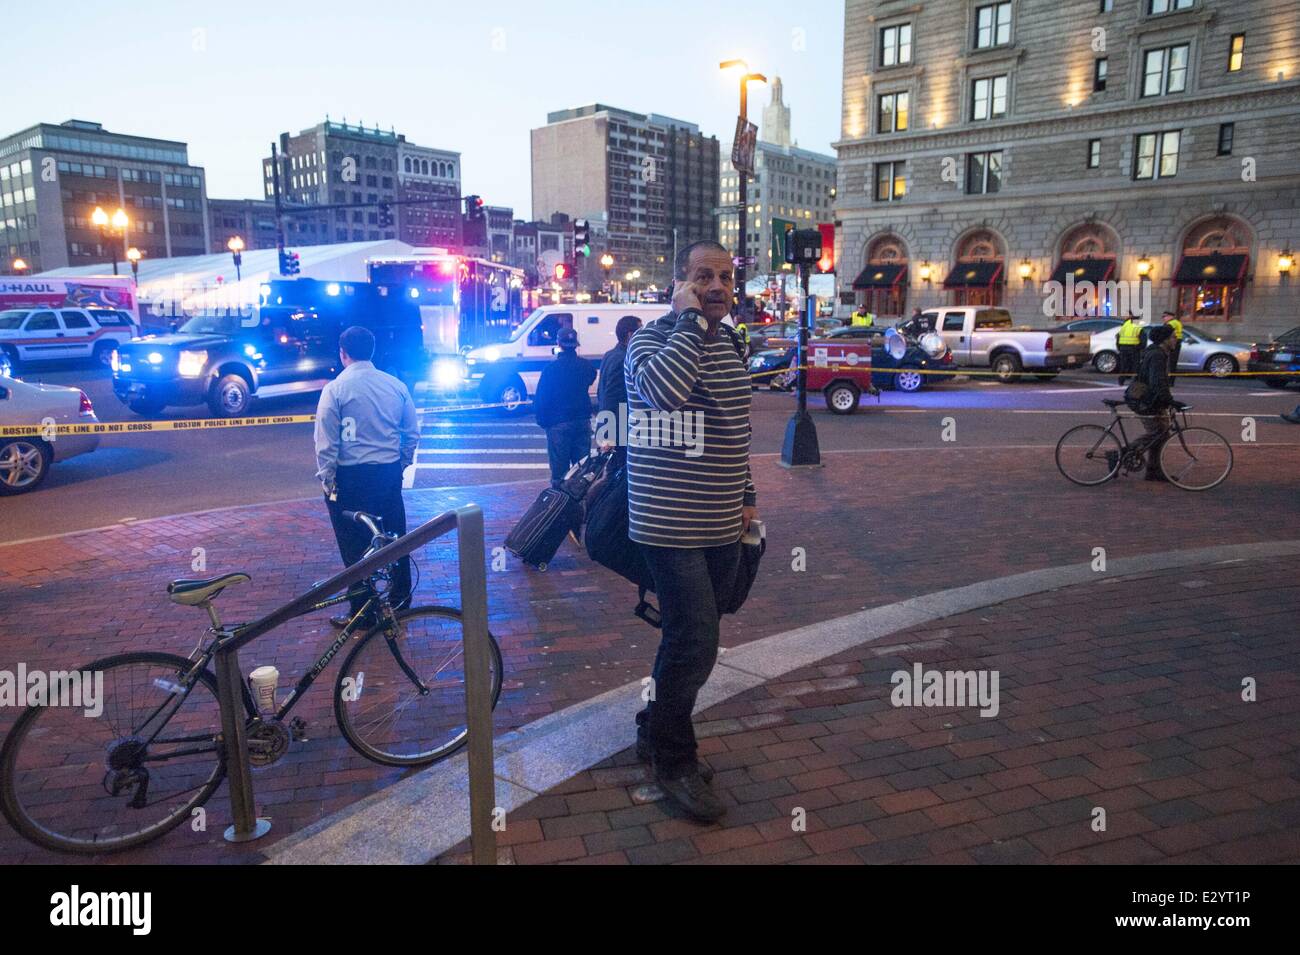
78,783
380,709
1088,455
1196,459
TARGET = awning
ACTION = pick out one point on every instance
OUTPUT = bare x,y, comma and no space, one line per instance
1213,269
1083,269
880,276
973,275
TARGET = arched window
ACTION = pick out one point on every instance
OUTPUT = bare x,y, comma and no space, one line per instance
978,275
1212,271
1084,271
883,281
408,163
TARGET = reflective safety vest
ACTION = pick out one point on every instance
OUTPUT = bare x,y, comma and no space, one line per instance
863,319
1130,333
1177,326
743,330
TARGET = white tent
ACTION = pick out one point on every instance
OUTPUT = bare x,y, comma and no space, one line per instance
167,286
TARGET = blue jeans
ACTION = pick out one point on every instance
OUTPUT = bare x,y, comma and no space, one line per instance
691,583
567,443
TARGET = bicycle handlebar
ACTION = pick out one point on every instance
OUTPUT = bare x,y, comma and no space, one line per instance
371,522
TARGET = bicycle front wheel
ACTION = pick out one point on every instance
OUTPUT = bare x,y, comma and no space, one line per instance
1196,459
76,780
1088,455
382,710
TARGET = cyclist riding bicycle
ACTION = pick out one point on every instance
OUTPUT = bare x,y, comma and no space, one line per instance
1148,395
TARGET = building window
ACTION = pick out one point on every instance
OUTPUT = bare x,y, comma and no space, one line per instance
891,181
1236,52
983,173
1156,156
1169,6
1164,71
1099,71
1227,131
988,98
896,45
1107,6
1094,153
891,113
992,25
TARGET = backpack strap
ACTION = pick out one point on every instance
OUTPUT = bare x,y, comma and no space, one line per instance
646,610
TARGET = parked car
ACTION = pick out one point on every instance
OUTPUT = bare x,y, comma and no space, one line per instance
1280,355
1201,352
25,460
785,334
983,337
1092,325
50,334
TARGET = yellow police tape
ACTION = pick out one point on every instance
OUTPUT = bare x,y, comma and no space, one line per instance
203,424
199,424
987,373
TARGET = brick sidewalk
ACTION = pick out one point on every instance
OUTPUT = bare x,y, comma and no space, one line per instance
568,635
1124,695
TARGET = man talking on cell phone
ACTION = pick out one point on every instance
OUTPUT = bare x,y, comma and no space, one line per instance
688,506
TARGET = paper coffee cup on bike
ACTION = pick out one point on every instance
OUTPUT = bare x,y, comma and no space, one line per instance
263,681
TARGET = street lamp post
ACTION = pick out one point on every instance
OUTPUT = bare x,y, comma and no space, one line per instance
133,255
19,266
109,227
742,220
236,246
607,263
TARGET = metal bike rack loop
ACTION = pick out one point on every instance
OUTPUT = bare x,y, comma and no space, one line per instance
467,521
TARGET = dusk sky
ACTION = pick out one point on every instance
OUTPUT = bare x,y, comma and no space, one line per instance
228,77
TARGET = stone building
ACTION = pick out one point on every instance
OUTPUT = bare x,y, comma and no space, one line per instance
991,149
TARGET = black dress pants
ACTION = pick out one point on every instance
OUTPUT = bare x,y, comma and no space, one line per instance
377,490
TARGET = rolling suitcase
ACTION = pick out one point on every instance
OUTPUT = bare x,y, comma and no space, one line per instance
542,529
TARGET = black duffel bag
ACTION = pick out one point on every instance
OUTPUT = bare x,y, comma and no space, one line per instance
609,545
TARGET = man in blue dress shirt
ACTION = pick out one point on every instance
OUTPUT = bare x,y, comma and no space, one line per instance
366,435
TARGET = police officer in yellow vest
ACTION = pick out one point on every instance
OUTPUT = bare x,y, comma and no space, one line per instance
1172,321
863,318
1129,342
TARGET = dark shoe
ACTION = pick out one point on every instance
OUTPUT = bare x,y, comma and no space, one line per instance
1293,417
1156,476
692,795
643,754
1112,459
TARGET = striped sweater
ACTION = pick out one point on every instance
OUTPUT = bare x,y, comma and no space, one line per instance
688,435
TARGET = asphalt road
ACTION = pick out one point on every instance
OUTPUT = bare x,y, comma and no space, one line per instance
138,476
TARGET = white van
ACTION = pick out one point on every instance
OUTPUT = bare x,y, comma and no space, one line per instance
507,373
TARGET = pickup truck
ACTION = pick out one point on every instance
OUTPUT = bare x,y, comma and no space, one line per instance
985,337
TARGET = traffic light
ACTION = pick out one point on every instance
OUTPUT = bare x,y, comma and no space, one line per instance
474,208
385,216
581,238
289,264
563,271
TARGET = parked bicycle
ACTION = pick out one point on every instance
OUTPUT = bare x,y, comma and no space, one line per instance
77,784
1194,459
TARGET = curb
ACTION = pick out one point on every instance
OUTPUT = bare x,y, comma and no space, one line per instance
419,818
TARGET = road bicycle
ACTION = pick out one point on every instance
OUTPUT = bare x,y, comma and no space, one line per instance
1194,459
74,783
